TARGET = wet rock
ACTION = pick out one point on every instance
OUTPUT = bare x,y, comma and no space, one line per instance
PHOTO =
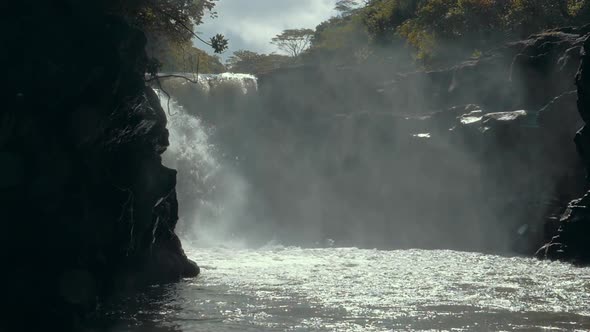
570,242
561,115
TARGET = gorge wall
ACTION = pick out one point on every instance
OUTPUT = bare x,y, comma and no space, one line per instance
87,207
571,239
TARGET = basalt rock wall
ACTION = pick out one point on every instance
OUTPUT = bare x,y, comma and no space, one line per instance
88,209
570,241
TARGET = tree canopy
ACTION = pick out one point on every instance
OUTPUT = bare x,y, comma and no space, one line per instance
174,18
434,31
440,28
244,61
183,57
347,7
293,41
170,28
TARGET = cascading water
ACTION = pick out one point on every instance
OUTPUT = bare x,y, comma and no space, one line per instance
211,193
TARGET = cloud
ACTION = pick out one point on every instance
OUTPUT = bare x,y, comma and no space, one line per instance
251,24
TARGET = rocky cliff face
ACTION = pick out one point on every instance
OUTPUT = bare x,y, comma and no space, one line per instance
88,208
571,239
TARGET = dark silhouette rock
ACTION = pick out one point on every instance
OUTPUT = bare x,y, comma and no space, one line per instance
88,210
570,242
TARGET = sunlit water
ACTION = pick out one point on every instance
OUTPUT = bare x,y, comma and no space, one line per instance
349,289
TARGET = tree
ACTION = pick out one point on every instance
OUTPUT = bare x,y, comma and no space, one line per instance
169,26
293,41
346,7
340,40
182,57
438,31
174,19
528,16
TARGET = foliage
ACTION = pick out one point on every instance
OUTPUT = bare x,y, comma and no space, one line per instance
527,16
449,29
342,39
174,20
243,61
383,17
183,57
347,7
439,30
219,43
445,29
293,41
170,29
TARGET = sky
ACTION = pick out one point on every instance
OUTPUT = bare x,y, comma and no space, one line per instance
251,24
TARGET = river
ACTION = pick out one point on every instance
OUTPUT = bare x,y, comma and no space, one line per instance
347,289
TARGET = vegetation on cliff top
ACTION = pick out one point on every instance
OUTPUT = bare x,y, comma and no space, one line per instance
244,61
183,57
440,31
430,33
170,28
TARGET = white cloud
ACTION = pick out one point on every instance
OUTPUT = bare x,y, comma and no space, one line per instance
251,24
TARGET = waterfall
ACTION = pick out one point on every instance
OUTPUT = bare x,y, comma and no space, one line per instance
208,84
212,194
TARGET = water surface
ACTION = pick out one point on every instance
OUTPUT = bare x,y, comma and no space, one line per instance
349,289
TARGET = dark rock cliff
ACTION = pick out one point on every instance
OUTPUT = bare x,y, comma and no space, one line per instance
88,209
570,242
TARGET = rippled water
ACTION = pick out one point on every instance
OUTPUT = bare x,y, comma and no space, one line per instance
348,289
